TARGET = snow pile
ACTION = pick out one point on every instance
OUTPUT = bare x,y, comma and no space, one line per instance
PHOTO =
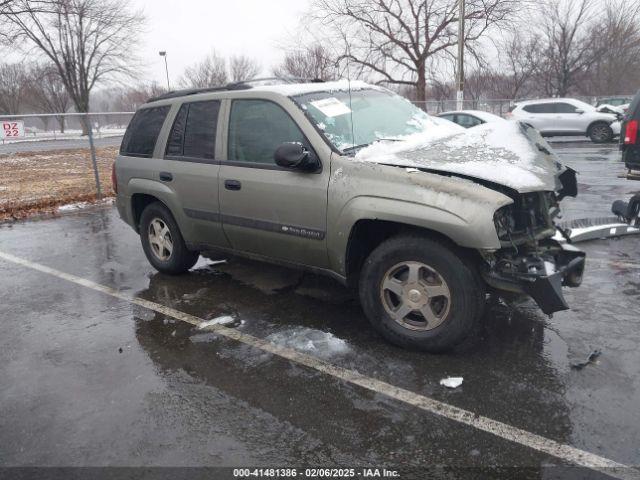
307,340
70,207
499,152
387,151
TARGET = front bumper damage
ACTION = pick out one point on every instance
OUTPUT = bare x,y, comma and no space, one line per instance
540,273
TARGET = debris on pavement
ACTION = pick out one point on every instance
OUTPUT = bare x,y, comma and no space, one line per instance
451,382
590,359
222,320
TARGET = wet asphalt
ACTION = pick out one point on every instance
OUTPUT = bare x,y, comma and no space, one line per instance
90,380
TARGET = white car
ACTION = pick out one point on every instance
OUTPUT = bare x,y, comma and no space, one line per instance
470,118
567,117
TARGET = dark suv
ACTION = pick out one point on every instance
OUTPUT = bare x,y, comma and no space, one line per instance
629,141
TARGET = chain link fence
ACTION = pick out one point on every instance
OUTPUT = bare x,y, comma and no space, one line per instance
57,159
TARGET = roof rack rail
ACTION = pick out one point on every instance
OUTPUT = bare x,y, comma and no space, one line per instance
243,85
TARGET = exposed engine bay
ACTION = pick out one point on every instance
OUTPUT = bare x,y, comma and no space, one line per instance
530,261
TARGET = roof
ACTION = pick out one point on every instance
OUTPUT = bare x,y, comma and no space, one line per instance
283,86
546,100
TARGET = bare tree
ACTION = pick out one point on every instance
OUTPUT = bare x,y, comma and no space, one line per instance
314,62
210,72
243,68
518,57
47,92
88,41
617,34
568,48
129,99
13,87
396,39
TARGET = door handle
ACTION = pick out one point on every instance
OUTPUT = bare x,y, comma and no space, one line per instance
232,184
166,176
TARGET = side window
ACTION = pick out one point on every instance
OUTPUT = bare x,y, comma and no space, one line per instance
193,134
564,108
540,108
447,117
467,121
547,108
257,128
142,132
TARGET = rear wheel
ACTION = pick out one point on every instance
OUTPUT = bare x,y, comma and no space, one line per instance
419,294
162,241
600,132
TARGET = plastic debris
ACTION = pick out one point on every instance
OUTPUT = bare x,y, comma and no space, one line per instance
223,320
593,356
451,382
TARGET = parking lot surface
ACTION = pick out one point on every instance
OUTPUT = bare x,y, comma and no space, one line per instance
90,378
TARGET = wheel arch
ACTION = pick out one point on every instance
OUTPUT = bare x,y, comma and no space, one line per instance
143,192
367,234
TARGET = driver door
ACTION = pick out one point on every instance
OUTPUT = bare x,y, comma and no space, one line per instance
266,209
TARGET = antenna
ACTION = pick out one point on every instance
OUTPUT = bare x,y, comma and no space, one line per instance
353,136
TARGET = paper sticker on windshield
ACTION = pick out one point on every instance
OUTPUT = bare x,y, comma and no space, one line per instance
331,107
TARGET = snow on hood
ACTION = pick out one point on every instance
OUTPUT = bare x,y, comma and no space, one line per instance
507,153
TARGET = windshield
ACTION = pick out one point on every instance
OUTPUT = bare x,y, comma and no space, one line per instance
376,115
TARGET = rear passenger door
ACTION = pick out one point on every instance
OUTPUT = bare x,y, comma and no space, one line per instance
541,116
268,210
191,169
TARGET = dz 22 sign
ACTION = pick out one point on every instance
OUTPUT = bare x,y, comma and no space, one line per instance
11,129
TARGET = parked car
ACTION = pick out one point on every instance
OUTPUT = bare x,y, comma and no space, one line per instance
567,117
420,216
470,118
629,139
616,101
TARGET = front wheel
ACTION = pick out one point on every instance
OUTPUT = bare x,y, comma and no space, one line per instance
419,294
600,132
162,241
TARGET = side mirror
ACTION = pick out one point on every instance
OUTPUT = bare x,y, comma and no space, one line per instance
294,156
579,112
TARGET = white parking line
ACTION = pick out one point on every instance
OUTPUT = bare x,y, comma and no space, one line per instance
564,452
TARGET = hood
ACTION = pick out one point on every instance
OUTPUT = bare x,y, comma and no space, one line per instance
508,153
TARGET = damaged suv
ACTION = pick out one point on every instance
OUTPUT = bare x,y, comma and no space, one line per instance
419,215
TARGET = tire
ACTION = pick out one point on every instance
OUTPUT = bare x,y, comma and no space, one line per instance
452,317
169,255
600,132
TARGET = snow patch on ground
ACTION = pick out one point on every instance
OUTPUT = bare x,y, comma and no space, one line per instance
72,207
307,340
225,320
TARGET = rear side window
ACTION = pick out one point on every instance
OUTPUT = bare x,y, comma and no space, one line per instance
142,132
540,108
467,121
257,128
193,134
565,108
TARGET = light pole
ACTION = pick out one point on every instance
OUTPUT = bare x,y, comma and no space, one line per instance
163,53
460,79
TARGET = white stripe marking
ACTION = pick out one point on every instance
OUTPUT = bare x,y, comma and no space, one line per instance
564,452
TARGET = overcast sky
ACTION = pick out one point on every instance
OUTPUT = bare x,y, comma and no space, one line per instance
189,29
